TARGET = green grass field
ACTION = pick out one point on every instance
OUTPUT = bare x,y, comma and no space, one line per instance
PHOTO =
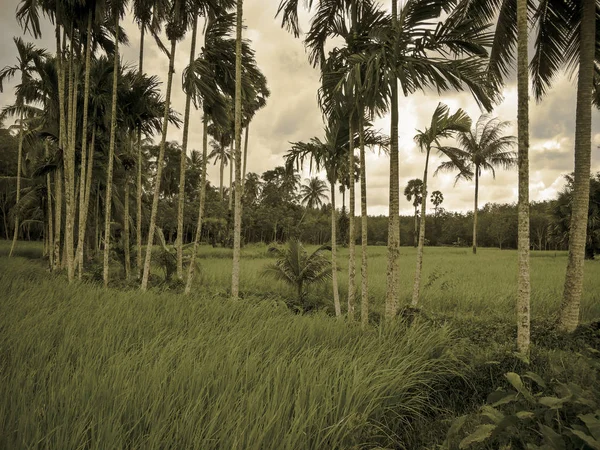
84,367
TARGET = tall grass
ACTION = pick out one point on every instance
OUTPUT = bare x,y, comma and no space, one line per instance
83,367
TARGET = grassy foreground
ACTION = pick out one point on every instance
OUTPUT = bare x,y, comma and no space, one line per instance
81,367
84,367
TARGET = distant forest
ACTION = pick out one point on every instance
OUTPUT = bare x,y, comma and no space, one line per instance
278,205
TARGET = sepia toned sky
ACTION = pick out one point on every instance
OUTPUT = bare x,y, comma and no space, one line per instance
292,114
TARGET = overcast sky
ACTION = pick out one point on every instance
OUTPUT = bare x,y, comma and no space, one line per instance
292,114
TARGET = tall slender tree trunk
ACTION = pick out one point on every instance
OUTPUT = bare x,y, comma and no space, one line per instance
231,166
19,169
351,227
364,301
198,235
186,128
237,222
86,200
111,156
393,262
246,131
138,216
416,228
97,224
221,172
126,229
421,245
334,279
69,164
49,212
159,169
86,93
569,310
58,177
475,209
523,283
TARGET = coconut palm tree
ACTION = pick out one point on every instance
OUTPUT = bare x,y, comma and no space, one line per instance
443,125
313,194
437,198
578,48
295,267
325,154
482,148
413,191
220,154
27,57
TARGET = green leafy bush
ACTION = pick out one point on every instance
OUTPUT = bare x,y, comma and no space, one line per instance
532,414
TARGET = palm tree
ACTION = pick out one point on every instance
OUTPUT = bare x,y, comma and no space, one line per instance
313,194
325,154
28,56
437,198
580,44
443,125
209,78
297,268
186,125
220,153
482,148
414,192
111,150
175,31
400,48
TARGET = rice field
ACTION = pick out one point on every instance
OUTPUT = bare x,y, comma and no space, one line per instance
84,367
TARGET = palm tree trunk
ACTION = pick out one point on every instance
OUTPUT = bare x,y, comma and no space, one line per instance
58,177
111,156
245,154
138,217
58,201
416,227
198,235
126,230
221,173
86,201
523,283
421,245
232,161
97,224
69,165
19,158
334,279
569,311
159,166
237,222
351,229
86,93
364,301
186,127
475,210
393,266
50,217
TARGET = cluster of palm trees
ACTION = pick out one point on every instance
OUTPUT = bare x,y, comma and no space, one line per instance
442,45
93,113
367,56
